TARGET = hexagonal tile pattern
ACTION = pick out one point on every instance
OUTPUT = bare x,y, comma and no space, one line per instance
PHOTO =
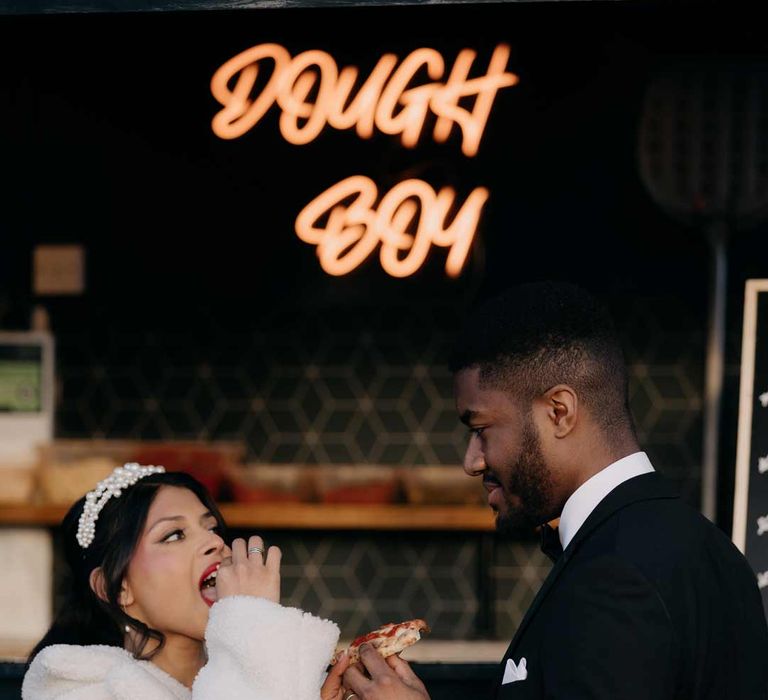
363,582
371,387
518,571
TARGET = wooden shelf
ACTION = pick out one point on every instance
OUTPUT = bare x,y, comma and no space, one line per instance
307,516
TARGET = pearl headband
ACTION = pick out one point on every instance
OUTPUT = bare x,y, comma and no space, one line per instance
112,486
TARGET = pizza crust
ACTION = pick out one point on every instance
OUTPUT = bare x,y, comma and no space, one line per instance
388,639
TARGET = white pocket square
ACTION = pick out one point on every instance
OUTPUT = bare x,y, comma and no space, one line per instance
515,671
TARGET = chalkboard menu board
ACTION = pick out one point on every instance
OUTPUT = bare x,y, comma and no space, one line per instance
750,518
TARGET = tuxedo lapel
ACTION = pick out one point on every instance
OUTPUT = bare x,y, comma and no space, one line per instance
640,488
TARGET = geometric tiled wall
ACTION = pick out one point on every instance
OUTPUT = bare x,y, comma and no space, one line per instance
306,389
666,356
518,571
362,582
370,389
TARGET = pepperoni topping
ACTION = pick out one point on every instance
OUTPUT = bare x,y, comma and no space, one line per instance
386,631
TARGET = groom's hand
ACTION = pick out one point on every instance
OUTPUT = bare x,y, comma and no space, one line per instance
390,679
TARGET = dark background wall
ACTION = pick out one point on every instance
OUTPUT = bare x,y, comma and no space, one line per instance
206,317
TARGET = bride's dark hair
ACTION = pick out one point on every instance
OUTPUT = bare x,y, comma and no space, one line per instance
84,618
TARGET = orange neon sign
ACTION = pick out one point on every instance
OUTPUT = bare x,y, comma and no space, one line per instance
408,220
384,100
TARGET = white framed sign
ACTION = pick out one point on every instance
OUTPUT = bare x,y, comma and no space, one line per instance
26,394
26,420
750,510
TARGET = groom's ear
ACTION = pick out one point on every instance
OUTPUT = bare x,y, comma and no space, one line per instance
561,404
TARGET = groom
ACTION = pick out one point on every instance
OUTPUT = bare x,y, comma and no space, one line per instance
647,599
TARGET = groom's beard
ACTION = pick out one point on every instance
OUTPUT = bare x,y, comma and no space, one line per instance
531,482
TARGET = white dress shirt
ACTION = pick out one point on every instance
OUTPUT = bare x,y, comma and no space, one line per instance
586,498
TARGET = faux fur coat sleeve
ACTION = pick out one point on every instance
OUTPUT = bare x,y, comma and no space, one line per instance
264,650
257,650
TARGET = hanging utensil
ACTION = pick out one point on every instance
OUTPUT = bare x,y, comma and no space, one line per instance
703,156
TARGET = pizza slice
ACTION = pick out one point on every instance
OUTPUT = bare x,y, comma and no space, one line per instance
387,640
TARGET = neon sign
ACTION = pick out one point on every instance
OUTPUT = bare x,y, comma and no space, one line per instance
352,232
384,91
312,92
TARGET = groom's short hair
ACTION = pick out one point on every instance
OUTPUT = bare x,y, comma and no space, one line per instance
535,336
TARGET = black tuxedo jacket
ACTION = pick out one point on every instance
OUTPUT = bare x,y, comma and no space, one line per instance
649,600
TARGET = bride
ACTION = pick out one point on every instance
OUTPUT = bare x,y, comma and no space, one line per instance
160,607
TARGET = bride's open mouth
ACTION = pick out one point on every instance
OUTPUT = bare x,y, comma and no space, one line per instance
208,584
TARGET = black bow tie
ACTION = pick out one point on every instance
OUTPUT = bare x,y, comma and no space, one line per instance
550,542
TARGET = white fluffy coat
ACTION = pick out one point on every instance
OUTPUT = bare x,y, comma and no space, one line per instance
257,650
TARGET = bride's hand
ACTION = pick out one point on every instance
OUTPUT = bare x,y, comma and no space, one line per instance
332,688
252,574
